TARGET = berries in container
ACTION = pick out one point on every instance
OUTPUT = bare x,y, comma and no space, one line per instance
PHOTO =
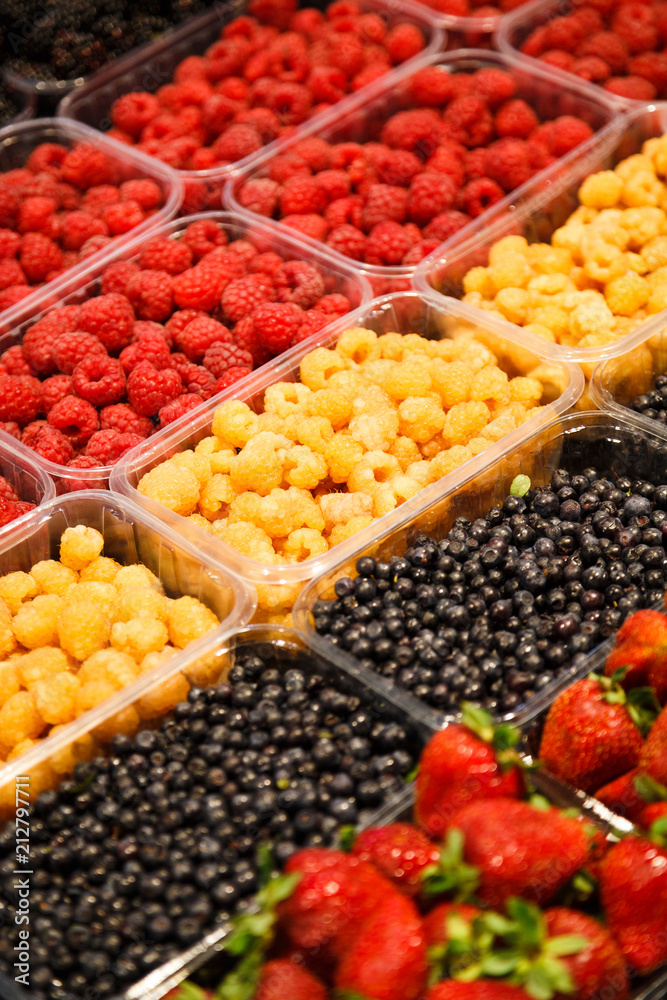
281,510
632,385
167,324
23,484
617,47
270,751
208,107
69,198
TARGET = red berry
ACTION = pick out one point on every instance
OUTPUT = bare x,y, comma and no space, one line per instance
53,389
446,224
479,195
132,112
243,295
430,194
334,304
469,121
7,491
110,318
384,203
231,376
260,194
11,509
148,390
122,418
150,347
14,361
635,88
48,442
144,191
71,348
299,282
313,226
20,398
608,46
300,195
182,404
39,255
117,275
203,236
348,240
75,418
404,42
199,335
276,323
387,244
508,163
108,447
221,356
99,379
150,293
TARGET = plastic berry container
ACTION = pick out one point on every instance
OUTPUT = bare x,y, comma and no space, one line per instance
338,278
363,122
278,585
571,442
152,67
25,104
286,650
16,144
29,480
130,536
616,383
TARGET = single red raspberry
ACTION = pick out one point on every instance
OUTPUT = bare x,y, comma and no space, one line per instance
591,68
291,102
39,340
635,24
387,244
397,166
10,243
10,296
237,142
403,42
145,192
79,227
85,165
198,288
431,86
96,199
203,236
83,482
508,163
275,324
10,203
108,447
301,195
221,356
132,112
347,54
122,418
148,390
260,194
652,66
469,121
446,224
146,326
20,398
384,203
268,263
149,347
99,379
608,46
75,418
47,157
334,304
315,151
299,282
311,225
430,194
53,390
334,184
197,380
568,132
150,293
7,491
198,336
172,411
71,348
326,83
13,361
48,442
11,509
479,195
313,321
348,240
635,88
243,295
178,321
38,256
564,33
515,119
117,275
265,121
343,211
243,249
93,245
416,130
12,428
110,318
286,165
246,336
123,217
232,375
35,215
558,58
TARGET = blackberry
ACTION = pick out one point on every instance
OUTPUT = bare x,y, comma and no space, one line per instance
495,611
140,854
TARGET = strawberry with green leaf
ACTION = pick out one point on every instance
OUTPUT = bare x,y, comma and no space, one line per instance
462,763
400,851
282,978
653,758
641,649
621,795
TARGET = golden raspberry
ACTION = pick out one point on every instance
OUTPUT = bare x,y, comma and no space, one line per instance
358,345
499,427
315,433
100,570
83,629
375,430
375,467
513,304
525,390
420,472
35,624
478,281
272,422
166,694
349,383
55,697
133,601
448,460
302,544
384,500
465,420
19,719
259,467
201,522
113,666
601,190
341,532
246,538
286,398
403,487
318,367
370,399
92,693
409,378
9,681
304,468
219,456
279,513
41,663
642,225
104,595
15,588
511,270
7,638
330,404
216,494
125,722
79,546
405,450
188,620
376,372
339,508
421,418
490,386
391,346
548,260
176,488
64,761
52,577
472,353
627,294
642,188
137,575
591,315
341,455
139,636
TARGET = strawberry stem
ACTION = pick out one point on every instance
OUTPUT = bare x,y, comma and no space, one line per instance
451,872
649,789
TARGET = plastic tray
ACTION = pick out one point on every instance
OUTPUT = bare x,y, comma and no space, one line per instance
26,103
406,312
339,278
28,478
130,535
538,210
16,144
151,67
363,123
572,441
617,382
221,649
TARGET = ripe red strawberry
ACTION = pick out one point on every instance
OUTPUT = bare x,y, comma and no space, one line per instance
589,736
387,959
520,850
641,647
462,763
599,969
436,922
281,978
621,796
400,851
633,891
653,759
651,814
481,989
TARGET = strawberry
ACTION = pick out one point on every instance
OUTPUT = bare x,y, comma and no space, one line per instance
590,735
621,796
653,760
387,960
641,647
599,969
651,814
437,924
400,851
462,763
281,978
520,850
633,891
481,989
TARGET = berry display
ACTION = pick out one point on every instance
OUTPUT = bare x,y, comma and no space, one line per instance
11,504
653,404
93,380
502,605
449,146
57,209
161,845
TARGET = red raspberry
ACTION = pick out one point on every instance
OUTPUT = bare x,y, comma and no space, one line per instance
260,195
431,86
327,83
172,411
11,274
150,347
591,68
221,356
162,254
10,202
347,54
568,132
123,217
132,112
20,398
10,296
558,58
150,293
652,66
635,24
334,304
479,195
79,227
246,336
301,195
263,120
635,88
198,288
383,203
83,462
12,428
275,324
231,376
144,191
564,33
237,142
404,42
416,130
314,151
203,236
430,194
110,318
179,320
397,166
469,121
71,348
243,249
13,361
608,46
10,243
11,509
143,327
387,244
243,295
93,245
122,418
313,226
7,491
117,275
348,240
85,165
494,86
197,380
48,442
515,119
268,263
284,166
299,282
36,215
75,418
108,447
291,102
334,184
48,157
445,224
313,322
418,251
96,199
53,389
99,379
199,335
38,256
508,163
148,390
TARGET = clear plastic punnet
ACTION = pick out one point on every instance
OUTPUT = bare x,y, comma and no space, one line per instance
338,278
29,480
131,535
538,210
363,123
152,66
616,383
279,584
571,442
17,143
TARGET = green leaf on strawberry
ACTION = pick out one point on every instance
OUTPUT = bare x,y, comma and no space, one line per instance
187,991
650,790
451,874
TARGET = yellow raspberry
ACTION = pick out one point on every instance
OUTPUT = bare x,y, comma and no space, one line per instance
93,693
512,270
643,224
513,304
465,420
358,345
41,663
139,636
7,638
279,513
217,454
403,487
52,577
375,431
497,428
137,575
490,386
349,383
370,399
657,300
548,260
342,454
405,449
341,532
304,468
601,190
35,623
376,372
259,467
627,294
166,694
419,472
338,508
591,315
19,719
176,488
472,353
113,666
391,346
188,620
82,629
9,681
448,460
133,601
478,280
286,398
421,418
15,588
375,467
315,433
55,697
84,748
317,368
642,188
79,546
409,378
525,390
452,381
234,423
331,404
302,544
216,494
104,595
100,570
246,538
201,522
